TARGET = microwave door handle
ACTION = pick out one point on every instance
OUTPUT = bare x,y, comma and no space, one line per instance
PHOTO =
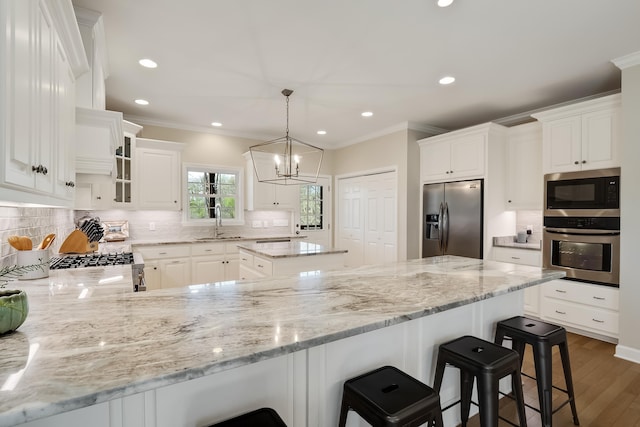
582,232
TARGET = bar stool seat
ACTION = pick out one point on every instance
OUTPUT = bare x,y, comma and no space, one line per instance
389,397
487,363
542,337
263,417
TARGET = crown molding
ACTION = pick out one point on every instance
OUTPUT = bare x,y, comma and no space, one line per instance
627,61
93,21
392,129
64,21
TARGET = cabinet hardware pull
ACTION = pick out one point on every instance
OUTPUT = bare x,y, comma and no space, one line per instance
207,250
599,298
576,162
99,198
561,312
244,259
508,201
515,257
598,321
561,291
162,253
261,266
584,161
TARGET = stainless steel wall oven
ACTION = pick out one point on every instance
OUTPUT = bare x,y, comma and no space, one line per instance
582,225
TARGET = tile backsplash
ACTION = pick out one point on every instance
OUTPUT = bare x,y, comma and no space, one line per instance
533,218
35,223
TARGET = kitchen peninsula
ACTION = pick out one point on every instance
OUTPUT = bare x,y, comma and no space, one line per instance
94,353
287,257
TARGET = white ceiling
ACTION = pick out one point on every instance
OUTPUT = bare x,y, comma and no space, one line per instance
228,61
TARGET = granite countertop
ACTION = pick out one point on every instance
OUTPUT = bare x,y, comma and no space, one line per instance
89,339
289,249
221,239
510,242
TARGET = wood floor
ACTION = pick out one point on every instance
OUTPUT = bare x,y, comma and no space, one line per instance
607,388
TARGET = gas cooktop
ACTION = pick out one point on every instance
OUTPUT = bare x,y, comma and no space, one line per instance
91,260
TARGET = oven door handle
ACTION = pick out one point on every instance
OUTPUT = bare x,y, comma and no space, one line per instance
582,232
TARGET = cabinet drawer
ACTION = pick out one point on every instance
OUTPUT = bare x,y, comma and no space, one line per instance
164,251
591,318
246,259
231,248
207,249
263,266
582,293
518,256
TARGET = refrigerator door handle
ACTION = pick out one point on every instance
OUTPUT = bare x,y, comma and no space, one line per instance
440,229
445,224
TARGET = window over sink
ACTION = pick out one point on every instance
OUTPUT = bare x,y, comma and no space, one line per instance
208,186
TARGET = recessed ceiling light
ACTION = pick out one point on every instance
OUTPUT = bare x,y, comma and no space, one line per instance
216,124
444,3
367,114
447,80
148,63
322,132
142,102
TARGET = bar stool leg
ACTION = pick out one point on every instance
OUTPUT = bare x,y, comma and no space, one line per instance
437,382
344,410
566,367
488,401
542,361
516,385
466,390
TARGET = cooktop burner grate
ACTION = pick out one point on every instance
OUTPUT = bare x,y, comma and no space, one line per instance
91,260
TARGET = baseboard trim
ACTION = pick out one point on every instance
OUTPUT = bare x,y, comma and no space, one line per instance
627,353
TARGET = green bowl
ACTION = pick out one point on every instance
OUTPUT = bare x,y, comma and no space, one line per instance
14,308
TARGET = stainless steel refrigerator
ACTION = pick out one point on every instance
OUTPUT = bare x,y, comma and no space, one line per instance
452,215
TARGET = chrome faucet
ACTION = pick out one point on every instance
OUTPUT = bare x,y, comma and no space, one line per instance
218,218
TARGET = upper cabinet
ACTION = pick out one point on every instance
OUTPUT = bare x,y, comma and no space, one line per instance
581,136
453,156
157,176
40,63
524,189
265,196
123,196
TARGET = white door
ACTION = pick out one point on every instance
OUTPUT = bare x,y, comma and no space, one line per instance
351,227
368,219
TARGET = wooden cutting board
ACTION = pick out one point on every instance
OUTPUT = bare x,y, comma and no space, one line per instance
76,243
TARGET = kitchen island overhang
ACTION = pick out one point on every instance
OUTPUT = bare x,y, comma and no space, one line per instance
114,344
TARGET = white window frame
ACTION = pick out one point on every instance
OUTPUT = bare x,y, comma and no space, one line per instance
238,171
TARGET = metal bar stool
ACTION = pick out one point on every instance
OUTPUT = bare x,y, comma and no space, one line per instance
389,397
264,417
488,363
542,337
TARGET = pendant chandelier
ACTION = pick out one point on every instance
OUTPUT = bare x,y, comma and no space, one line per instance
286,160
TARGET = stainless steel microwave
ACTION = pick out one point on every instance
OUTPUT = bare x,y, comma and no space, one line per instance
593,193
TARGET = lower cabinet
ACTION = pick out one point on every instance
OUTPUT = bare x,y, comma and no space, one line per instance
523,257
254,266
590,308
176,265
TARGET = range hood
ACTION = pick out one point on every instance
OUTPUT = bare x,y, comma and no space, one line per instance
98,133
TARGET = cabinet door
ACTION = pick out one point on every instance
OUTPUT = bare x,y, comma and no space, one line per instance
207,269
287,196
152,275
562,142
435,161
600,139
524,167
158,178
467,156
65,167
232,269
175,272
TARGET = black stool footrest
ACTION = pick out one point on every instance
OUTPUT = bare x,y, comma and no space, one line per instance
263,417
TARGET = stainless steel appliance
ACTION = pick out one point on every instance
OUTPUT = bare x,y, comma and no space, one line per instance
102,260
593,193
452,215
582,225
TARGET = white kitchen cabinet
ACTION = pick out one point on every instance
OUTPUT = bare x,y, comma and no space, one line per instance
168,266
524,183
523,257
98,133
158,174
591,309
39,65
264,196
453,156
581,136
124,196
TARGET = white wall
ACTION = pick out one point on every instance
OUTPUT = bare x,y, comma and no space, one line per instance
629,343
